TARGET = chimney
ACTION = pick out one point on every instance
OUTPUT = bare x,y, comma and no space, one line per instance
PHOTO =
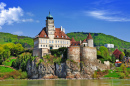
61,28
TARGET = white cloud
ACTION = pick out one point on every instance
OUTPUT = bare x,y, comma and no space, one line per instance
108,16
27,20
11,15
30,14
18,33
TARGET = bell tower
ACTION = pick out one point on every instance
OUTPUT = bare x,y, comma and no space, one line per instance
50,28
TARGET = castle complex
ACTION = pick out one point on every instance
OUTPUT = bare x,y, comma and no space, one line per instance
54,38
81,55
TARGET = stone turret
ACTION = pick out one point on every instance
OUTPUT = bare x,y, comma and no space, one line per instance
90,40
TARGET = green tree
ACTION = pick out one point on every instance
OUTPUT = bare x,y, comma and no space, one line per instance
104,52
121,57
18,48
113,58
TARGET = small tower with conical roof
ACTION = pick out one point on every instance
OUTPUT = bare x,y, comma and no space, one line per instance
90,40
50,28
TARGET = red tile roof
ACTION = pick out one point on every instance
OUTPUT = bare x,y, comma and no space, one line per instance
117,53
75,43
72,40
58,34
85,40
89,36
43,33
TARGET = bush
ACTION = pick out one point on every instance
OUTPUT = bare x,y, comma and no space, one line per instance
94,75
23,75
121,75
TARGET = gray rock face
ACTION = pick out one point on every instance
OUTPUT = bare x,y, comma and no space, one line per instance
69,69
39,71
61,70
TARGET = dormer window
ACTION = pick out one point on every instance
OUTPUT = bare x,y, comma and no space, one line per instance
44,35
62,36
57,36
65,36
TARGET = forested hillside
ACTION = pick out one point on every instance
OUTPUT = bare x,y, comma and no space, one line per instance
100,39
27,42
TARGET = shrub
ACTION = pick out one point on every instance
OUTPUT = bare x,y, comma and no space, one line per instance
121,75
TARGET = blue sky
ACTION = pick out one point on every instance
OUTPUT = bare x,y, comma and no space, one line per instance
27,17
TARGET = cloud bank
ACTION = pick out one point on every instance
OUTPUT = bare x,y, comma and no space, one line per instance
11,15
106,15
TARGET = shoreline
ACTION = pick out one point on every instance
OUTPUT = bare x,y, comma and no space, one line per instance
63,79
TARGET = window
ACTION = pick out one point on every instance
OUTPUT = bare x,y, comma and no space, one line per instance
44,35
57,36
65,36
52,41
49,41
62,36
46,41
56,41
46,45
67,42
56,45
41,45
41,41
61,42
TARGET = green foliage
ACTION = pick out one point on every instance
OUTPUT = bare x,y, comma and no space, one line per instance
94,75
104,52
121,75
100,39
113,59
120,72
4,69
8,62
26,42
127,53
21,61
121,57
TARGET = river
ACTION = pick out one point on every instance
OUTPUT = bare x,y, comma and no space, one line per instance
102,82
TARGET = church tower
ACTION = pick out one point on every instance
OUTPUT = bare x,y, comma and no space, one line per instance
50,28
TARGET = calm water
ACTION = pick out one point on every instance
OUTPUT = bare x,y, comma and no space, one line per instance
109,82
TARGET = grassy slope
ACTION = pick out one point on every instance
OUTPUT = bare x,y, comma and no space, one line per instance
100,39
9,61
4,69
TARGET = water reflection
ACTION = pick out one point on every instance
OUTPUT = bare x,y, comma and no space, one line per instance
109,82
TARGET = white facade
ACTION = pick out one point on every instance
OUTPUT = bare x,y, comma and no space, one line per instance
109,45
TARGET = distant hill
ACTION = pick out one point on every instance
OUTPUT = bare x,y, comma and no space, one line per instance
27,42
100,39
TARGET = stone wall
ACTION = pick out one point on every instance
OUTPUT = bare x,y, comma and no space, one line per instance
88,53
74,53
37,52
44,51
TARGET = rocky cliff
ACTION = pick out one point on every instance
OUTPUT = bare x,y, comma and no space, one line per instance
69,69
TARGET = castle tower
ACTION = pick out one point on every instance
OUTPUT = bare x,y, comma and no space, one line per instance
90,40
50,28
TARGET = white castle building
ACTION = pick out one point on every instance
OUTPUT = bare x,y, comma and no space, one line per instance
54,38
50,38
